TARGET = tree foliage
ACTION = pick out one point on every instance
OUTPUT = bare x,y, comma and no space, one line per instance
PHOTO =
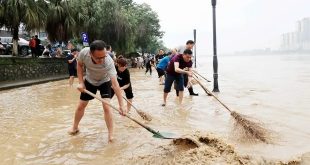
125,25
28,13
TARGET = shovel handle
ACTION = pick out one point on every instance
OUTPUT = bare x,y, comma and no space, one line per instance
113,107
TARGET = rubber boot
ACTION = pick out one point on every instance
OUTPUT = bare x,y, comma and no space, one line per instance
191,92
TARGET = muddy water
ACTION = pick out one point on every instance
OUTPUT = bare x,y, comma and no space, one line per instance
271,89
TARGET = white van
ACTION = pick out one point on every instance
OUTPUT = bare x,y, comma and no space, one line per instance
23,45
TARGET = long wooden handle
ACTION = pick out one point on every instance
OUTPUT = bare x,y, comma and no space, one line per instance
129,103
206,89
201,76
203,87
113,107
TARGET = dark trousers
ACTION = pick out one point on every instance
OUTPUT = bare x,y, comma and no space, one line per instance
190,89
33,51
148,68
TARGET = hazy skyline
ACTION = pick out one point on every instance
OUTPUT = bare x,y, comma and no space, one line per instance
241,24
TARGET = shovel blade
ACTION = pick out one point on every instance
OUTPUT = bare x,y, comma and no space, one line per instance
165,135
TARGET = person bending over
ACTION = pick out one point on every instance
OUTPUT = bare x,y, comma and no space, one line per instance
100,75
176,73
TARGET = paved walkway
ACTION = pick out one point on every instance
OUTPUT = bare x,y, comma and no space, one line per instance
21,83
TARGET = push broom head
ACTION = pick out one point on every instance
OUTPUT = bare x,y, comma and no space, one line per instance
251,130
144,115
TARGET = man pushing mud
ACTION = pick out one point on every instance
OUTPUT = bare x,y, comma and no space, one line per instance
100,75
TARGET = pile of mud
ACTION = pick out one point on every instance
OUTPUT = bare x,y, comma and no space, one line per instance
200,149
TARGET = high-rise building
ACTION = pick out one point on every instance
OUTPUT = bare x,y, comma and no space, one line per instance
299,39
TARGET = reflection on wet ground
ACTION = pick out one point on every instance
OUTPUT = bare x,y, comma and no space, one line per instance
34,120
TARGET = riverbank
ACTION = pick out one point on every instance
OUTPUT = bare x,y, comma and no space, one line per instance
5,85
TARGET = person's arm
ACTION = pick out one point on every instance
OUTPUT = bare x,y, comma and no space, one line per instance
126,80
70,61
113,74
178,70
125,86
118,93
80,69
189,78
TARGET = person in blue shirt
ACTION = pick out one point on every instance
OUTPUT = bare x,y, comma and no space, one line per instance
162,65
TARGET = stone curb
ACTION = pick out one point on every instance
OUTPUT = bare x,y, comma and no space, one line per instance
23,83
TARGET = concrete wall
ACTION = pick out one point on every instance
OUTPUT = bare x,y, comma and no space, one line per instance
14,68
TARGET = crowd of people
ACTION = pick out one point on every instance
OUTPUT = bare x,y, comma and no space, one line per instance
110,75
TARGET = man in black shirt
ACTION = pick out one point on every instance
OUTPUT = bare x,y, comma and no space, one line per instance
159,56
37,47
71,58
123,78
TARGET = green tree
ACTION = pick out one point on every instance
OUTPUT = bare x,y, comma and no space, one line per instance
60,23
148,27
14,13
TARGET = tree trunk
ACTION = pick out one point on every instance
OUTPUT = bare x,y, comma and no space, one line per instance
15,42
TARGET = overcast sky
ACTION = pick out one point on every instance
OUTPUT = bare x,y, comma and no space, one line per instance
241,24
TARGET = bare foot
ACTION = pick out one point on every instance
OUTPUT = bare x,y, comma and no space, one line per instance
111,139
74,132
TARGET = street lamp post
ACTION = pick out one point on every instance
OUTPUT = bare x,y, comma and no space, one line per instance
215,63
195,46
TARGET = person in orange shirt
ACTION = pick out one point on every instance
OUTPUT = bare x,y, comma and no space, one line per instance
32,45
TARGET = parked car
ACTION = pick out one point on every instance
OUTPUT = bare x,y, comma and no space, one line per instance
23,45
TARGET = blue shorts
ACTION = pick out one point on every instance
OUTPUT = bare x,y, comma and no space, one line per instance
179,79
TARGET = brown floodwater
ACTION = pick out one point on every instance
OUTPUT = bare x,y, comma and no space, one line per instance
274,90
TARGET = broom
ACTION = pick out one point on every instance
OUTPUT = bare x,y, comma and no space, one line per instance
143,115
251,129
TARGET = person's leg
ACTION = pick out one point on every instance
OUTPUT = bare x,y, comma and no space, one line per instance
168,83
161,75
71,78
181,96
108,119
37,52
191,92
176,89
70,81
129,96
158,73
79,113
32,52
161,78
190,89
180,87
147,69
105,92
165,98
129,105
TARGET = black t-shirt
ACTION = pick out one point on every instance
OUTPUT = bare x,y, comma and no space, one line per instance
38,42
123,78
73,64
150,62
158,57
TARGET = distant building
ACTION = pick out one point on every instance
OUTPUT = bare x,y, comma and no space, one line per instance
298,40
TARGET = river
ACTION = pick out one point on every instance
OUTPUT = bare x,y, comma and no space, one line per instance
273,89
